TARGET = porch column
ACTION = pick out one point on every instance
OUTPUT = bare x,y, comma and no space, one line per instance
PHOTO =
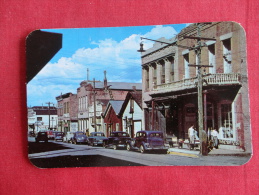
167,70
159,69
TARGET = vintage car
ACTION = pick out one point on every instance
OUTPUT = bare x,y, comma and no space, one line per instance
59,136
68,137
117,139
96,138
51,134
79,137
41,136
147,141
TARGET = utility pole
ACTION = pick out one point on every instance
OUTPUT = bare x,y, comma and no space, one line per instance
203,142
94,107
49,111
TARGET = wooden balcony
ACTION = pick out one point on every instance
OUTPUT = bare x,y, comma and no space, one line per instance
210,79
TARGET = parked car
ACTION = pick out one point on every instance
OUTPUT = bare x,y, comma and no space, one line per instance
41,136
79,137
68,137
59,136
147,141
51,134
96,138
117,139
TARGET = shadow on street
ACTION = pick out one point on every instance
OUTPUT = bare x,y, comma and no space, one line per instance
80,161
34,147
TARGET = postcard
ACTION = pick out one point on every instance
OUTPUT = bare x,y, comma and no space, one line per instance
160,95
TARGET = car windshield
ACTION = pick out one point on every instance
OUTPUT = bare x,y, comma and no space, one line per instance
99,134
155,135
123,135
59,133
80,133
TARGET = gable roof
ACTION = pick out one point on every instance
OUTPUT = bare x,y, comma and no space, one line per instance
136,96
115,105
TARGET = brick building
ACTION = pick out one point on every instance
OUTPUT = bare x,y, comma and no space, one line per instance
170,84
67,112
93,97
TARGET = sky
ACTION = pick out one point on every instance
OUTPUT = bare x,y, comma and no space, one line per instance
113,49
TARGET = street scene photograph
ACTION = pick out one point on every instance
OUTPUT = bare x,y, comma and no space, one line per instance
160,95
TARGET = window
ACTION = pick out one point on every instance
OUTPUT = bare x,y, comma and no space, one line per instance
186,66
212,59
39,118
227,56
226,120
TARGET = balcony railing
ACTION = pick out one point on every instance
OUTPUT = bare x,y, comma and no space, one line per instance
211,79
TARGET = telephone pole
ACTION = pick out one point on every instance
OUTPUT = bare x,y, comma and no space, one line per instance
49,111
202,134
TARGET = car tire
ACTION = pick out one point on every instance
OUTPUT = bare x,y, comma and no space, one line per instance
142,149
128,147
115,147
104,145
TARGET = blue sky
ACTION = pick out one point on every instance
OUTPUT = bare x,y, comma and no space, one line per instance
113,49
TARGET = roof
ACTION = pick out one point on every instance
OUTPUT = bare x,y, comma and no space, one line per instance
46,112
136,96
118,85
116,106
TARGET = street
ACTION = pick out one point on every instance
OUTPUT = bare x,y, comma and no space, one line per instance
58,154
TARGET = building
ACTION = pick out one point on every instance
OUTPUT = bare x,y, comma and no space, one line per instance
67,112
131,113
170,84
112,120
42,118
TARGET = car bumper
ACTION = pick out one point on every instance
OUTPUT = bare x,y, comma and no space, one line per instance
157,148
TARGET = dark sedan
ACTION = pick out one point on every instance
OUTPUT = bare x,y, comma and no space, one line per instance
59,136
96,138
79,137
147,141
117,139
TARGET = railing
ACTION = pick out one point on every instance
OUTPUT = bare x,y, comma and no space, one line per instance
210,79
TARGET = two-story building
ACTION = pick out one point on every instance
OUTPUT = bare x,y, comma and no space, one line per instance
42,118
67,112
170,97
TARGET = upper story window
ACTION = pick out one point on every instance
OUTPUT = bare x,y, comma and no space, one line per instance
212,58
186,64
227,54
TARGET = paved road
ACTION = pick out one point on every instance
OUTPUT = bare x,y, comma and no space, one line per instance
59,154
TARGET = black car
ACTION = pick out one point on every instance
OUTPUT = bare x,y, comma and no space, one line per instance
41,136
59,136
117,139
79,137
96,138
147,141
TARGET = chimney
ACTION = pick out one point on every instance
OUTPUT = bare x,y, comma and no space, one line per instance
105,80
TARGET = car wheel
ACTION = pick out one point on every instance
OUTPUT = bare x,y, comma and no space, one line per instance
115,147
128,147
142,149
104,145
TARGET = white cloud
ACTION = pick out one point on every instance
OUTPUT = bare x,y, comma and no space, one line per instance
119,58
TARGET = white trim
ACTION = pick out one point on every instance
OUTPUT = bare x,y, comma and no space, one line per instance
185,51
210,42
226,36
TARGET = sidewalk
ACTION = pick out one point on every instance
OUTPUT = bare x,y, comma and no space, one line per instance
214,152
